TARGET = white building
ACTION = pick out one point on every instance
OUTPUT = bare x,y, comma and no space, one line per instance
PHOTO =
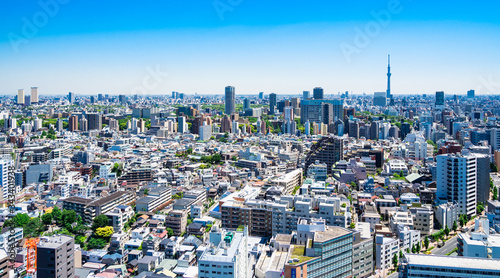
457,181
446,214
479,243
4,178
205,132
395,166
385,249
227,256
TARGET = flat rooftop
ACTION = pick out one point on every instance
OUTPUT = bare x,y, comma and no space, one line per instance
453,262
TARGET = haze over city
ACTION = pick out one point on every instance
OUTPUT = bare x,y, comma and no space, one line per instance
283,47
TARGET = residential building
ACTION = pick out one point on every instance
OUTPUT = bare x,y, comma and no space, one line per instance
55,257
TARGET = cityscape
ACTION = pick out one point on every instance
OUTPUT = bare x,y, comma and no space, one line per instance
234,159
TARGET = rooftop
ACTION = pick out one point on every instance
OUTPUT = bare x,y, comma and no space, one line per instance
453,262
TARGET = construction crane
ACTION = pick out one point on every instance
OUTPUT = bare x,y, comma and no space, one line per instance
31,244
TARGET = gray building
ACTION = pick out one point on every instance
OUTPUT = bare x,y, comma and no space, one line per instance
315,110
55,257
39,173
94,121
230,97
380,99
272,103
318,93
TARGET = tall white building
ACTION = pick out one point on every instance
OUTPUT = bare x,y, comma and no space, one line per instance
457,181
34,94
4,176
385,249
20,96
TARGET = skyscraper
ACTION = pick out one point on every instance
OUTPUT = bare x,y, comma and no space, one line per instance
261,95
4,176
318,93
230,100
246,104
440,98
389,77
306,95
471,93
272,103
20,96
71,97
73,123
34,94
182,125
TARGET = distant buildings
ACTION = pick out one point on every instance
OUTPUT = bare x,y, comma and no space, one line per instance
318,93
34,94
380,99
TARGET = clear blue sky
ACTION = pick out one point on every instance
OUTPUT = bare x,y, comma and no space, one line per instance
285,47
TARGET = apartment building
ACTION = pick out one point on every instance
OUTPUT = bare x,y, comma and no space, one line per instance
288,181
385,248
119,216
457,181
4,264
55,257
88,208
156,198
227,256
177,221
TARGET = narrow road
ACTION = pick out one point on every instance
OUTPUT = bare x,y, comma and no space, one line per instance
447,248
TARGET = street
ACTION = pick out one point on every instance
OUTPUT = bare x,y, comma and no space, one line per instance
394,275
448,247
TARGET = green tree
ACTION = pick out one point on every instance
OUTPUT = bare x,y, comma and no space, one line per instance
56,214
104,231
21,219
395,261
426,243
400,254
493,167
455,226
100,222
47,218
446,230
96,243
414,249
170,232
68,217
418,247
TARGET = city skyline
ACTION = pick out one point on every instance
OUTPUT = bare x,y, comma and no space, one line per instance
338,46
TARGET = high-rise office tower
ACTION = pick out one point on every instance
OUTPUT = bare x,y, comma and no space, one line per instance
73,123
306,95
100,97
379,99
55,257
318,93
230,97
34,94
440,98
20,96
71,97
471,94
94,121
246,104
261,95
272,103
457,181
122,99
389,77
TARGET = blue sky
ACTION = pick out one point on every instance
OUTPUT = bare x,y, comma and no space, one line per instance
285,47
